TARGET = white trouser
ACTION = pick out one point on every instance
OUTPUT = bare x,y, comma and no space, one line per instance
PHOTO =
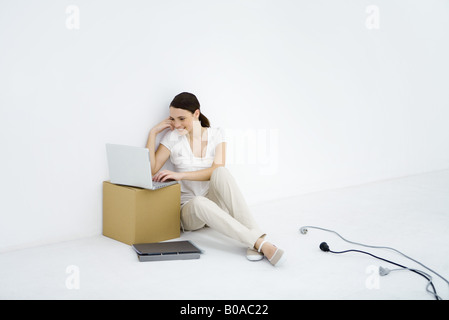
223,209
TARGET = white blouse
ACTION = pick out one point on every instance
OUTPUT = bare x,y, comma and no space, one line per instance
183,159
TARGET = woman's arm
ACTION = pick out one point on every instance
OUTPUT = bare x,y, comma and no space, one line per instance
200,175
160,156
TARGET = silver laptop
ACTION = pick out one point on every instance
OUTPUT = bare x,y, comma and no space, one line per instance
130,166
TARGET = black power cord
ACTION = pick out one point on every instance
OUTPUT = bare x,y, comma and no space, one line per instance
325,247
384,271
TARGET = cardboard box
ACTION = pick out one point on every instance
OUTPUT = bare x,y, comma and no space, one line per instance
134,215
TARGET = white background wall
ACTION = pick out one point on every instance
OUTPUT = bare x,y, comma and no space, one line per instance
311,97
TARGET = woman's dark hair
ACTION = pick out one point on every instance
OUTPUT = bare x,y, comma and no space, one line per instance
189,102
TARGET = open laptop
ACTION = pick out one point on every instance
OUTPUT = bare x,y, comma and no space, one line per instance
130,166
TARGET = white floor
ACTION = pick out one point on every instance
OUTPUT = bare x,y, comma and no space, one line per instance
410,214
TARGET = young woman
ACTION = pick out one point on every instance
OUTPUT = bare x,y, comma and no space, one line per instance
209,194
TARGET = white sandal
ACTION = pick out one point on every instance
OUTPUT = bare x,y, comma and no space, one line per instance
253,255
278,257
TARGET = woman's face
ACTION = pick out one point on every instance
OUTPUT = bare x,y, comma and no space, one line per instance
183,120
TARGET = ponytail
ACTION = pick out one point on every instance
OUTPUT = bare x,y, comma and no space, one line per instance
204,121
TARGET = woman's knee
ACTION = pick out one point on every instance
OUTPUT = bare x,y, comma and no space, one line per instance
219,173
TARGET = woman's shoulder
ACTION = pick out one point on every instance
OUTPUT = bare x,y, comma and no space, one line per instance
217,130
218,134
